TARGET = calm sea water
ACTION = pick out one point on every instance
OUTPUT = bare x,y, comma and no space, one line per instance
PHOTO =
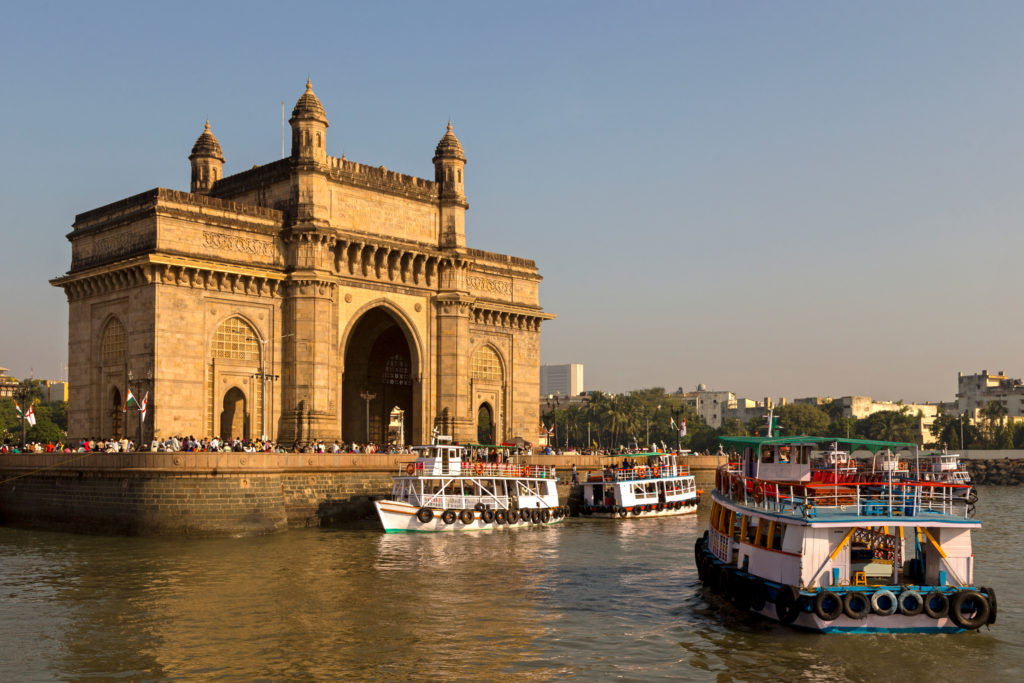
590,601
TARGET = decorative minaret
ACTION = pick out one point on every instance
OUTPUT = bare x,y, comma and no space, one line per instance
207,162
309,128
449,164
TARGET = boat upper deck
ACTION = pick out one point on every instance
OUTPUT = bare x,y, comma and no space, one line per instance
873,502
638,467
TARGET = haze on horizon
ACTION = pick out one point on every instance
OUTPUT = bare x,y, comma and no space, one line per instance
784,199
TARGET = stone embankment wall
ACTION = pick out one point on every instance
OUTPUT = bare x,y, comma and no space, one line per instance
999,472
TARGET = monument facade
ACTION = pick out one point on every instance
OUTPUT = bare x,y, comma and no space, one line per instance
310,298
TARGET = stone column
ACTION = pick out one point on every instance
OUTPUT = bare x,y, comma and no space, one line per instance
452,310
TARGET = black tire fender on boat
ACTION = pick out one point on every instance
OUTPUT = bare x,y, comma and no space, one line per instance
637,510
500,516
479,507
449,516
936,612
969,609
487,515
466,516
725,581
856,604
622,511
828,605
758,594
911,603
990,593
545,516
884,602
787,604
535,516
741,592
512,516
425,515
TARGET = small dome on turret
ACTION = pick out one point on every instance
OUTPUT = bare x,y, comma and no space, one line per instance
309,107
207,146
449,147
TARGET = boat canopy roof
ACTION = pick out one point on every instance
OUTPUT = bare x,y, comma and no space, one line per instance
852,444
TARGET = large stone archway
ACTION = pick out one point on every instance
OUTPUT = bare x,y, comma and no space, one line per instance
379,376
234,417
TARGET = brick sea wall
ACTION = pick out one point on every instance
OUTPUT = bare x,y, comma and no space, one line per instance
211,494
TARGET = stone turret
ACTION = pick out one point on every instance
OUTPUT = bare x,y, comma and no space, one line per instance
309,128
207,161
449,164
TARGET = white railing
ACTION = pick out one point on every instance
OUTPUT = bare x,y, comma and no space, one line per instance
896,498
479,469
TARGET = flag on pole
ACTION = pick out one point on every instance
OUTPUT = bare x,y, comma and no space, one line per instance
682,430
142,408
21,415
129,400
30,416
672,422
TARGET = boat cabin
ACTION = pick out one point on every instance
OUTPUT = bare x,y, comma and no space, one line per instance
440,458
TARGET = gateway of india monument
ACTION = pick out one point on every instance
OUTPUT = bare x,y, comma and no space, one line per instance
310,298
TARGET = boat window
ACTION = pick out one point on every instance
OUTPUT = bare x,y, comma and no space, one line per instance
737,522
762,529
804,454
767,454
778,533
784,453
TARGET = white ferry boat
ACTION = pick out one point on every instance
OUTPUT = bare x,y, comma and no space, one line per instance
643,485
442,491
881,552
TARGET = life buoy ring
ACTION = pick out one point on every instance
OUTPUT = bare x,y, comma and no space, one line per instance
478,468
410,469
657,471
884,603
449,516
856,605
467,516
936,605
911,603
741,592
425,515
969,610
759,494
827,605
787,604
500,517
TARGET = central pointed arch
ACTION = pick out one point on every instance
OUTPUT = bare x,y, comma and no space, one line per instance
382,370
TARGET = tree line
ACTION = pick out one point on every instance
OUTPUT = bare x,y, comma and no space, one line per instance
647,416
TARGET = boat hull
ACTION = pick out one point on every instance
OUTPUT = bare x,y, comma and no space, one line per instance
807,619
687,509
399,517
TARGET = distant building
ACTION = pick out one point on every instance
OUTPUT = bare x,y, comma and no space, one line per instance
7,384
717,407
974,392
56,390
564,380
860,407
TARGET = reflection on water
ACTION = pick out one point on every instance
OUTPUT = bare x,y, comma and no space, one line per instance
594,600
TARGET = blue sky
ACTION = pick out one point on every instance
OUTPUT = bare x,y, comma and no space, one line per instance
785,198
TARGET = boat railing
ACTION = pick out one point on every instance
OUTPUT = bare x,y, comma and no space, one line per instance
458,502
644,472
879,497
481,469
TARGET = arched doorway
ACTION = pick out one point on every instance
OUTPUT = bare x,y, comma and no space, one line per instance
116,413
485,424
234,418
378,380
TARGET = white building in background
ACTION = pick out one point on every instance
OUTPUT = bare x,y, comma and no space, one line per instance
974,392
564,380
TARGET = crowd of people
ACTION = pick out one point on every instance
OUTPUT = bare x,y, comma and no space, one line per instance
176,444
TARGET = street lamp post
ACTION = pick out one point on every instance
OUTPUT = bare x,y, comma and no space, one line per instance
23,394
367,396
142,383
554,400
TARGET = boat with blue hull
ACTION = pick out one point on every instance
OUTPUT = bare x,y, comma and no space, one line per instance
879,550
